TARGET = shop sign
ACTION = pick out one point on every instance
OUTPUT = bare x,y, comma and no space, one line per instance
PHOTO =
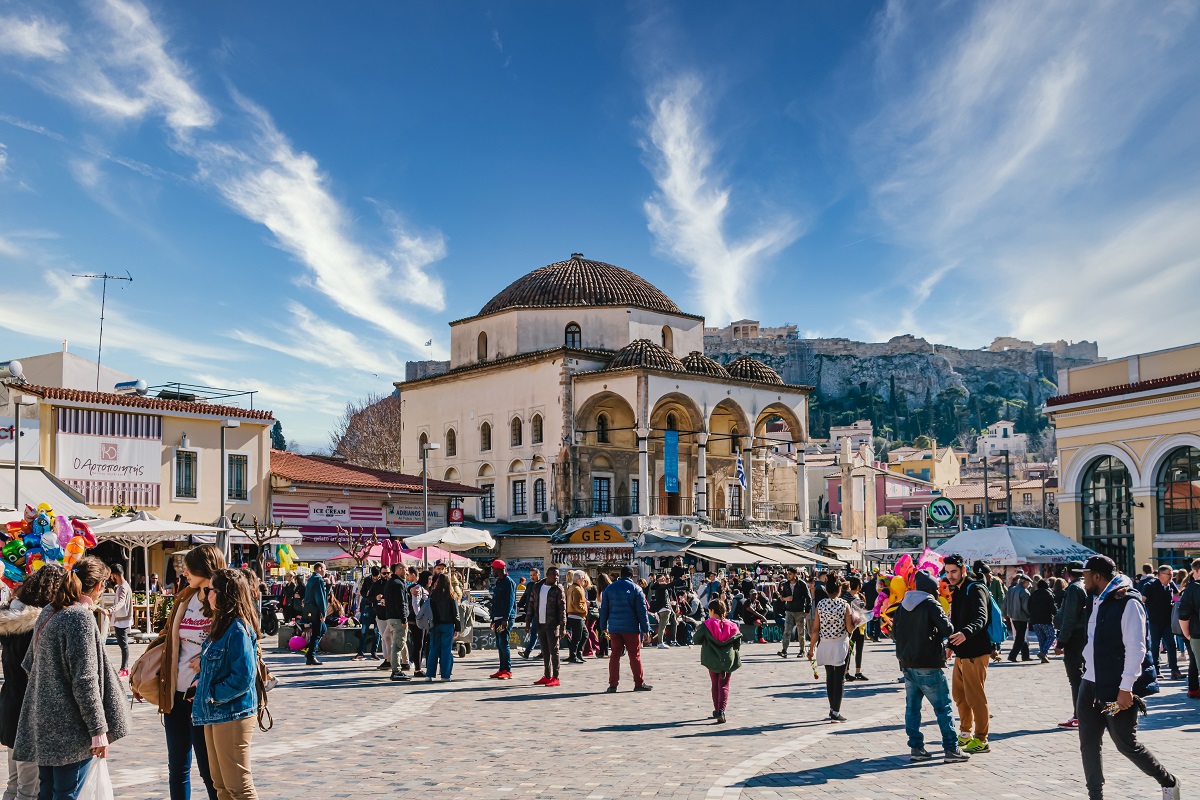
411,514
456,516
600,533
592,555
30,432
108,458
329,512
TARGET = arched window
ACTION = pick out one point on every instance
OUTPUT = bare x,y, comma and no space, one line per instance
574,337
672,422
1179,492
451,443
602,429
1107,513
515,438
535,429
422,443
481,349
668,339
735,441
485,437
539,496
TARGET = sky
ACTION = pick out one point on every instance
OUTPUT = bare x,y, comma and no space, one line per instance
307,193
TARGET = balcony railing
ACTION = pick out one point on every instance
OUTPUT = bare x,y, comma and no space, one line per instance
673,505
604,507
777,512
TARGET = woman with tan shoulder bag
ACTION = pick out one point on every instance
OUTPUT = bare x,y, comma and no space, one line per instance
166,673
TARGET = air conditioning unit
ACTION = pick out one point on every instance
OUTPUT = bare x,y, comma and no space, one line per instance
631,524
796,528
687,529
545,516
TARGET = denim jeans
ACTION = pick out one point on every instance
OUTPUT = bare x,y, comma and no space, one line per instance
928,683
314,638
367,620
441,650
1161,635
62,783
184,738
503,645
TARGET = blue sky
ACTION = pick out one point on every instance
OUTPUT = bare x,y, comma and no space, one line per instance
305,193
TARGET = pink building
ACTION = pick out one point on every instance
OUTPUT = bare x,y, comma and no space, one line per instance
894,493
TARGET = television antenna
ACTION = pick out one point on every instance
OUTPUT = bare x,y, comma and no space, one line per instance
104,278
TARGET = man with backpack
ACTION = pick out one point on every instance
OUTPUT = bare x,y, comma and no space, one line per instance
970,614
1119,672
504,614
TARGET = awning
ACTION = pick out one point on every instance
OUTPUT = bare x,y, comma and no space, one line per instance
327,534
778,555
39,486
286,536
725,555
820,559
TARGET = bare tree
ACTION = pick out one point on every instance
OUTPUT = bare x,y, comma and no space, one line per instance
356,545
262,535
368,433
1045,445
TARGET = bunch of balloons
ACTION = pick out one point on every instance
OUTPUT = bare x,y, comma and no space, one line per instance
41,536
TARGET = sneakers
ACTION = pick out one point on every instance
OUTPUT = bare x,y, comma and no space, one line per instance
963,738
836,716
955,755
358,657
496,674
642,687
404,665
542,681
1069,725
123,673
919,754
505,675
1194,694
400,676
1043,659
1171,792
552,683
849,678
716,711
762,640
420,673
611,690
721,721
663,646
977,746
384,666
782,654
858,676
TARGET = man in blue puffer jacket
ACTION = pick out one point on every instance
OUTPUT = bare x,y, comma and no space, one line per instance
626,617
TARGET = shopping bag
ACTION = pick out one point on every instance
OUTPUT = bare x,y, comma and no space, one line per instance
97,785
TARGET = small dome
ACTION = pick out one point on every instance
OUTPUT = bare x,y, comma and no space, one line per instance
749,369
700,364
645,353
580,282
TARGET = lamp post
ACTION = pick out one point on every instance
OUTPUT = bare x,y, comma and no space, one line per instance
425,448
223,536
19,401
1007,490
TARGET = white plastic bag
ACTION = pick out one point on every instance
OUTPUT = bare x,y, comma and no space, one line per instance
97,785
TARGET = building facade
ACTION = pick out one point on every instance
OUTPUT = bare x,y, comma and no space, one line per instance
1128,435
581,390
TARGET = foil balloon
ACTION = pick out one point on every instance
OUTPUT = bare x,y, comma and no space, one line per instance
81,528
42,525
33,541
16,528
30,513
62,529
33,561
50,549
14,552
74,551
13,573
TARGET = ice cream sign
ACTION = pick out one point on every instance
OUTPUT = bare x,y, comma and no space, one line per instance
329,513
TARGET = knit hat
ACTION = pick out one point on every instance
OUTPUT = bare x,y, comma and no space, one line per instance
925,583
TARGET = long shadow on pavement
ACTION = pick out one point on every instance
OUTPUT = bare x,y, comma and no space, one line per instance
846,770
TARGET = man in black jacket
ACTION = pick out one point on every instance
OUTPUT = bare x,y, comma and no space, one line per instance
970,606
1160,600
548,611
796,604
366,616
395,606
1071,625
531,641
920,630
1189,623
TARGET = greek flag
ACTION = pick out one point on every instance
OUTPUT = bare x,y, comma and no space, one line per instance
741,471
429,343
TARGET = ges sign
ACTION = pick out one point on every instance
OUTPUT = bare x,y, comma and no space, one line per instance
597,534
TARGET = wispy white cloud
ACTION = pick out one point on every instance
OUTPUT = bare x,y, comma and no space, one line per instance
1012,138
34,37
3,159
688,214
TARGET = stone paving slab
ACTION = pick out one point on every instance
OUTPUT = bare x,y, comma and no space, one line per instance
345,731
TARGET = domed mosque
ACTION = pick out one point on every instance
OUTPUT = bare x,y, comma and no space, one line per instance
581,390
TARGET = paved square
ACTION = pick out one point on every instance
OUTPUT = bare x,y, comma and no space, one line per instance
344,730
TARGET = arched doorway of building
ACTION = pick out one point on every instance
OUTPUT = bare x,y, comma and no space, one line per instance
1106,500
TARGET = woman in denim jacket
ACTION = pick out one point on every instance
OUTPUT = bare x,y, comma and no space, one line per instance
226,702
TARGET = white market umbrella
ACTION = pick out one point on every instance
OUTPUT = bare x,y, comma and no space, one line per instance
145,530
454,538
1008,545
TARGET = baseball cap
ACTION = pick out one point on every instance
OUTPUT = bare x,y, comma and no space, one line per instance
1075,567
1102,564
498,564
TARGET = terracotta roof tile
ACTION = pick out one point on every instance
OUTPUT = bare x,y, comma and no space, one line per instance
1125,388
329,472
972,491
749,369
700,364
135,401
645,353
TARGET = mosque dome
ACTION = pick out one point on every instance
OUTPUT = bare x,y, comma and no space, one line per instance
699,364
645,353
580,282
748,369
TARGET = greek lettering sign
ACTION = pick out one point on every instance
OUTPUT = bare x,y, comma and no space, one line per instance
108,458
329,512
599,533
942,510
671,462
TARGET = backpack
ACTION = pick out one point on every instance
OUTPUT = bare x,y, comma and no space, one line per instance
996,629
425,615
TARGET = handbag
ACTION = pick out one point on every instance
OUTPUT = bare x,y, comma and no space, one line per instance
143,678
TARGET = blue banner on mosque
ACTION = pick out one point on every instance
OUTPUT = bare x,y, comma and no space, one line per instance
671,462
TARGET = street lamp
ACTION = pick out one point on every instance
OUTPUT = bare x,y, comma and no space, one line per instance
425,448
223,536
1007,489
19,401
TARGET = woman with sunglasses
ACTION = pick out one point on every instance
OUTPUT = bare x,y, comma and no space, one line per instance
226,689
183,637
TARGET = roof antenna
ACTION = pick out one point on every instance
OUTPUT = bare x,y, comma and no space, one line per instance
104,279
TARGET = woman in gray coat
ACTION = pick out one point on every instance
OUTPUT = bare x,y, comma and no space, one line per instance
74,706
1016,608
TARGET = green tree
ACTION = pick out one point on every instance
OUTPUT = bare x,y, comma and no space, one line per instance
893,522
278,440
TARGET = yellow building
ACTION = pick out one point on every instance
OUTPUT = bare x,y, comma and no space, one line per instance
942,471
1129,456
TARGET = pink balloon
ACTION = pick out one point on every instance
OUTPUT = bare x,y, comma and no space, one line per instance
297,643
62,529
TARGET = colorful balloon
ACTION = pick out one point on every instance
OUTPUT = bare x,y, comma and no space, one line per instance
14,552
42,524
16,528
62,529
50,549
81,528
13,573
74,551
